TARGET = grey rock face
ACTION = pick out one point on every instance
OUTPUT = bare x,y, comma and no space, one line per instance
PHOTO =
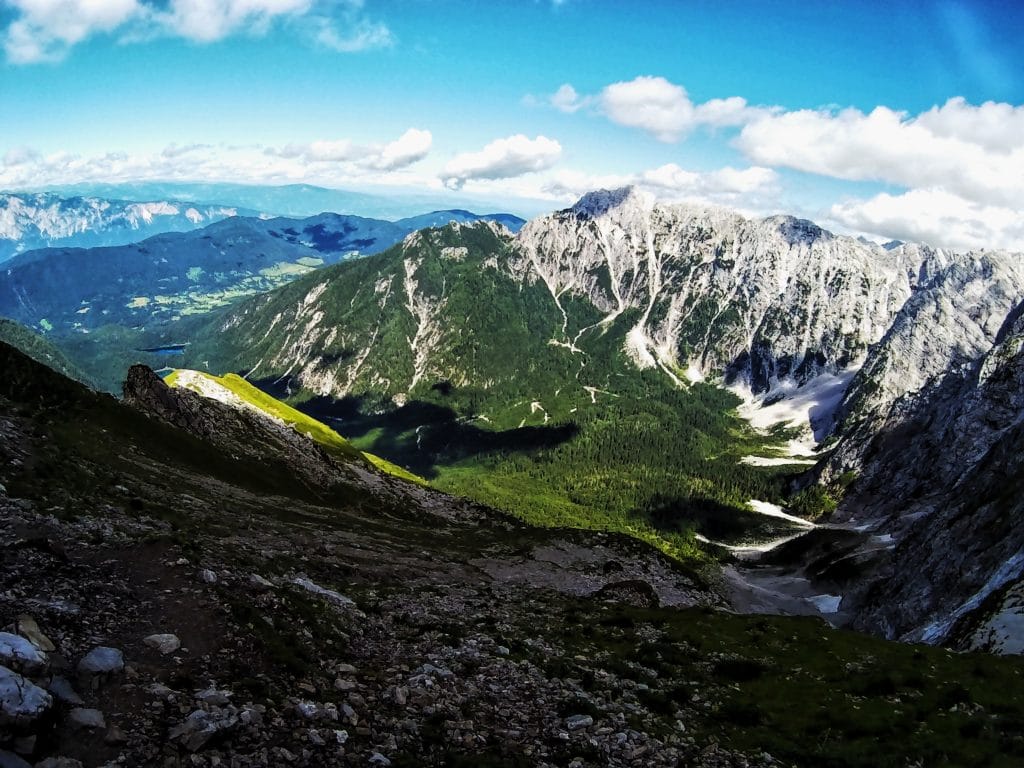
938,470
940,334
758,300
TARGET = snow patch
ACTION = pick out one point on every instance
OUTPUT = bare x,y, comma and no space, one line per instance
826,603
765,461
809,408
774,510
1011,569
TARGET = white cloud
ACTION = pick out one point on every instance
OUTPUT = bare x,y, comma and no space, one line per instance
205,21
998,127
45,30
411,147
503,158
935,217
653,104
362,35
976,153
671,180
565,99
750,190
328,163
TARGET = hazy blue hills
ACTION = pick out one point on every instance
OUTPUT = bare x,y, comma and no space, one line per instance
171,275
40,220
441,218
296,200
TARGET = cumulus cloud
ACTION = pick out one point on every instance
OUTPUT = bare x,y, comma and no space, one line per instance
503,158
724,182
330,163
411,147
975,152
935,217
652,104
752,190
45,30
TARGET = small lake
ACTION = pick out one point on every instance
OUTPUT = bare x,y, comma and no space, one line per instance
166,350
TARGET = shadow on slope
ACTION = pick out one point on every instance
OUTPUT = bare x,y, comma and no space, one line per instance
422,436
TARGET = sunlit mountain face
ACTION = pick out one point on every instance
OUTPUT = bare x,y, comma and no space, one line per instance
557,383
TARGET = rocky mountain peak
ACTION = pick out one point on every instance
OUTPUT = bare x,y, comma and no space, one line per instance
602,201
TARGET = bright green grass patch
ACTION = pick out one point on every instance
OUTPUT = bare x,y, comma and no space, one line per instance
393,469
540,505
316,430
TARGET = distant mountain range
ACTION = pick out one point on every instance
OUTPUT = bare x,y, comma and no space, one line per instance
93,215
165,277
293,200
29,221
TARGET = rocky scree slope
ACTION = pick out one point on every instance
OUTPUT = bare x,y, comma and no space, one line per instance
937,473
169,601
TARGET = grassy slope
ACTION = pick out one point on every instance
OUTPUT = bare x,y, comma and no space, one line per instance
807,694
300,422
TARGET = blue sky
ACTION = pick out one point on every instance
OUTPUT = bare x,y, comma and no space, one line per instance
894,119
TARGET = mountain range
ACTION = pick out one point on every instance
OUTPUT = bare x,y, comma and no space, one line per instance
39,220
401,472
678,372
594,319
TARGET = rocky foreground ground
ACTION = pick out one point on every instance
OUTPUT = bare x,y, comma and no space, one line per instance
174,596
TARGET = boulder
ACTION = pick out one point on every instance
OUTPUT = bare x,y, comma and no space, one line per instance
102,661
576,722
81,718
22,702
19,654
201,726
27,627
164,643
